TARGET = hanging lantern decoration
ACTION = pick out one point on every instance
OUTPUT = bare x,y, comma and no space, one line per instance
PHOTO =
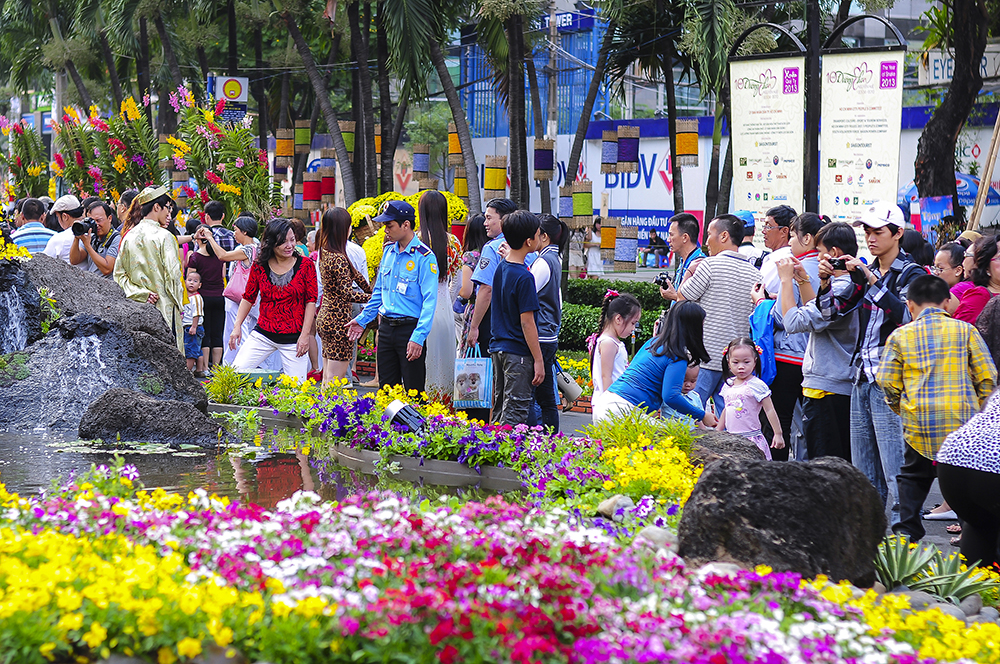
280,174
378,143
284,148
461,185
609,151
347,131
583,204
687,143
166,163
566,205
421,161
495,177
303,137
628,150
311,190
429,183
454,147
328,175
298,199
609,232
626,247
545,159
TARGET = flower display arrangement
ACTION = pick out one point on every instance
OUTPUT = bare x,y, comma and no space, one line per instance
26,160
106,156
100,566
223,158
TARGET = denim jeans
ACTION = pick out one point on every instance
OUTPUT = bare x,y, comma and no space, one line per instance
709,385
877,443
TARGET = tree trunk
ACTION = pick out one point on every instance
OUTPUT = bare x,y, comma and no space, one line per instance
301,161
588,106
712,187
726,184
518,134
462,124
109,62
142,75
168,50
384,99
675,168
371,159
202,61
260,88
536,112
934,167
323,97
284,101
366,129
80,87
234,60
843,12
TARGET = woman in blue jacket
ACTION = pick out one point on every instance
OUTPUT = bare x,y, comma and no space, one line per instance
656,375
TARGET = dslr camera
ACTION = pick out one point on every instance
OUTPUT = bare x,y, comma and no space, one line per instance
662,280
83,226
838,263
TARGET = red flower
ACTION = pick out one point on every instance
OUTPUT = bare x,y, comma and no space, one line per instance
99,124
188,191
18,161
212,177
79,158
18,128
220,106
60,162
262,157
203,195
116,144
448,654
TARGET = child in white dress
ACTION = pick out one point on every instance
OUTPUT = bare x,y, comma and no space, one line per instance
608,358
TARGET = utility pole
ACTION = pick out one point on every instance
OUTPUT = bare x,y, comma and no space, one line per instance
552,130
812,107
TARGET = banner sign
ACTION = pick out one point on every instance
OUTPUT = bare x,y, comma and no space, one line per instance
768,110
933,210
859,143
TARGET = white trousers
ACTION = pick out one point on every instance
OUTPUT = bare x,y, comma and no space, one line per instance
229,356
609,403
256,348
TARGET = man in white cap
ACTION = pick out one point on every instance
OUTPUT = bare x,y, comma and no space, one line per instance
149,265
879,295
66,210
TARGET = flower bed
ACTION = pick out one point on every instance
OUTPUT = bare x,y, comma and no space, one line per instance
97,567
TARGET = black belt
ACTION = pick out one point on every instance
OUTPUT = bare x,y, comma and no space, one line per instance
398,321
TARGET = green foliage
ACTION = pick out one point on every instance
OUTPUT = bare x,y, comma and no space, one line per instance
624,430
150,384
27,160
591,292
579,321
430,126
225,384
13,367
924,567
245,424
49,311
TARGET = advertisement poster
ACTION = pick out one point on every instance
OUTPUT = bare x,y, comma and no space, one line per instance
859,141
933,209
768,110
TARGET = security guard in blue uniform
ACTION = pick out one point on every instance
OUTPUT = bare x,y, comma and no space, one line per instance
404,295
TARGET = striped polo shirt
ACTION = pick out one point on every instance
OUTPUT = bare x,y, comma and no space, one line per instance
722,285
32,236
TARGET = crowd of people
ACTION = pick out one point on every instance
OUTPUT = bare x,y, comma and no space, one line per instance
802,346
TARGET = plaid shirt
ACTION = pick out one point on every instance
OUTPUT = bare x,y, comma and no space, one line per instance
936,372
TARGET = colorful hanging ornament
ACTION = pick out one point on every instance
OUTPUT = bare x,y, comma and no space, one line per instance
609,233
328,175
454,147
284,148
461,185
626,248
303,137
687,142
429,183
378,144
495,177
311,190
628,150
421,161
347,131
609,151
544,159
583,204
566,205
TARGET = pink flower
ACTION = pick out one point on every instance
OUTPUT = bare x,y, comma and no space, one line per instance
212,177
174,102
180,164
95,172
60,162
239,162
145,99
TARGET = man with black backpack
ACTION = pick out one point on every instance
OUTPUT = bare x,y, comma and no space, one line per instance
879,295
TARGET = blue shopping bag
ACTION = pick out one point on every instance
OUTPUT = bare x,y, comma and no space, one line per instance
473,380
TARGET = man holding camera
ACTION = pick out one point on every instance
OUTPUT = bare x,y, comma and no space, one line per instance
95,242
66,210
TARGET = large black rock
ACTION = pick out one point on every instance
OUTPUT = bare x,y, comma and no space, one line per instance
817,517
713,445
123,414
19,311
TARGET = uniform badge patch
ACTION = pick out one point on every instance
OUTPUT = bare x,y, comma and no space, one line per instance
410,265
434,268
484,263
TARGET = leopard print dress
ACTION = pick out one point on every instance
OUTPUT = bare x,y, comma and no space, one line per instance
338,277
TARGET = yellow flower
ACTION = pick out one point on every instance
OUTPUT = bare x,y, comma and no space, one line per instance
34,171
129,109
95,636
188,647
165,656
229,189
55,169
94,111
71,621
209,116
120,164
71,112
182,148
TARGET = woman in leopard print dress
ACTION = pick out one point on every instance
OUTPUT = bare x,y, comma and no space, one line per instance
342,286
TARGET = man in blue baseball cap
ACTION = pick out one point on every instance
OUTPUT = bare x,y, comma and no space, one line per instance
754,254
404,295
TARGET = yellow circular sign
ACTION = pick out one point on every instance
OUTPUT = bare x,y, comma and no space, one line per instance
232,89
410,265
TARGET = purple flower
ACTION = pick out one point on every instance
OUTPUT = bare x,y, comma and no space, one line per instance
139,160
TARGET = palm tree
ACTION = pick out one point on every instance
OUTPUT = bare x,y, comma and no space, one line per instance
91,18
573,165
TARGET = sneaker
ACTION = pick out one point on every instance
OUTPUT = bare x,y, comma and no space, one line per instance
941,516
200,374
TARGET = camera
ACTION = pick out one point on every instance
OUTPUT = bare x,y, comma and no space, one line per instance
838,263
662,280
84,226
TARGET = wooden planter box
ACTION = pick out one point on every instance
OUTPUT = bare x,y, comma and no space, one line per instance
432,471
267,416
581,405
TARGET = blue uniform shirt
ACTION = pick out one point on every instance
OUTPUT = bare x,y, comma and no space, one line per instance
407,285
489,258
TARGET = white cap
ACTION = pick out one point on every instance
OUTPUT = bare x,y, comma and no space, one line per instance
881,213
66,203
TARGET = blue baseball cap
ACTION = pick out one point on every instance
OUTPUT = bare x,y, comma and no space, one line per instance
746,216
398,211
